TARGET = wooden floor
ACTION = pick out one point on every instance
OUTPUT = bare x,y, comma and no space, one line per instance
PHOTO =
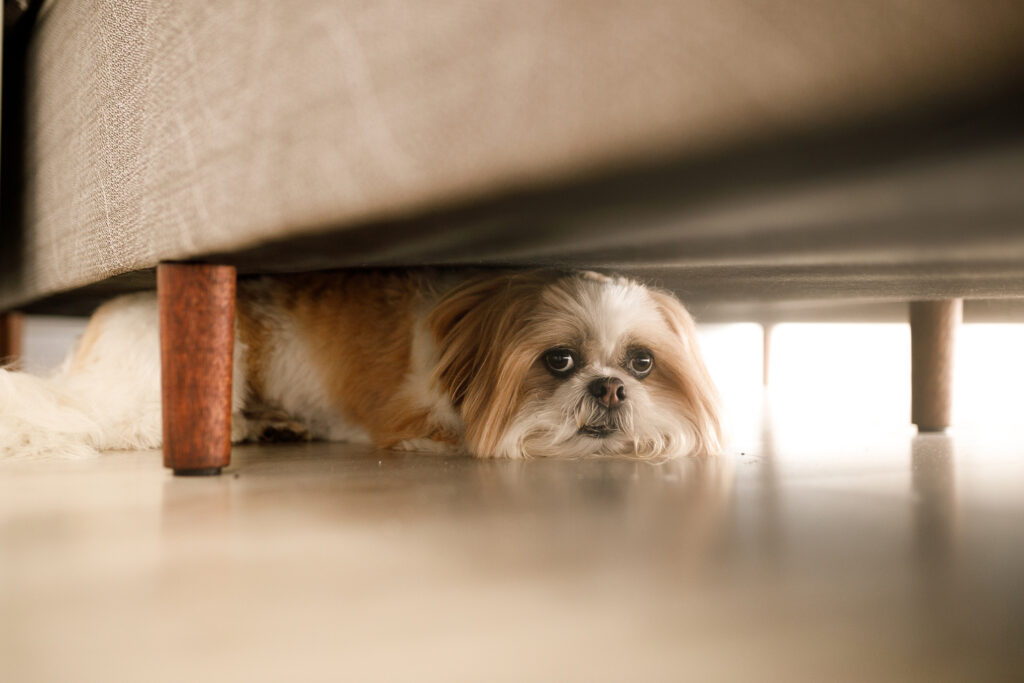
888,557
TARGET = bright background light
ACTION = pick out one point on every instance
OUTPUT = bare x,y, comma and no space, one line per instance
827,376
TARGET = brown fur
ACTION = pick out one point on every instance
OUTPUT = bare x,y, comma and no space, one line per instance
359,330
484,331
254,333
682,375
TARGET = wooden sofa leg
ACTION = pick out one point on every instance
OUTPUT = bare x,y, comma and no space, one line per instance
10,339
197,336
933,327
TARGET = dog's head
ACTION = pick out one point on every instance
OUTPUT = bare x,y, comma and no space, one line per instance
557,364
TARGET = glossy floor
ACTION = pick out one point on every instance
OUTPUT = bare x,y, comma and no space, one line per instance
829,543
892,557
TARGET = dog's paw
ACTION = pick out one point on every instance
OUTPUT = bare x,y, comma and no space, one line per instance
272,425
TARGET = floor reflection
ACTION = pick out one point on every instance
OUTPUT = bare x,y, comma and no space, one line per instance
605,514
770,530
933,483
872,553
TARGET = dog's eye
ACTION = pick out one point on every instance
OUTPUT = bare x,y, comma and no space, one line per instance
560,361
640,363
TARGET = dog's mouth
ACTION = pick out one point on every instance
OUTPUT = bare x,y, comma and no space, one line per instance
597,431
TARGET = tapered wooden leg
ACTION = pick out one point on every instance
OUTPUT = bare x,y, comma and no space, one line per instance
10,339
197,336
933,328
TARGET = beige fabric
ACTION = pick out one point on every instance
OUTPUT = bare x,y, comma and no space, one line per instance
163,129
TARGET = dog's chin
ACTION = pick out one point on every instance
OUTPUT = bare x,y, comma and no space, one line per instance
601,440
554,429
532,439
597,431
586,442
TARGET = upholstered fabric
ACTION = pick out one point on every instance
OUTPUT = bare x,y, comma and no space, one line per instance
170,129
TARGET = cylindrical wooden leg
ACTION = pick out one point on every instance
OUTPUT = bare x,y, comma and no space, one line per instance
197,337
766,351
933,326
10,339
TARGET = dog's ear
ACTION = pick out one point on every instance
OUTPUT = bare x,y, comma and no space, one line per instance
685,375
481,329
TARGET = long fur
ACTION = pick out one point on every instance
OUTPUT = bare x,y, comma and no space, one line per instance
105,396
417,361
90,403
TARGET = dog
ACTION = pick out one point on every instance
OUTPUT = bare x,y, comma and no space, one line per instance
494,364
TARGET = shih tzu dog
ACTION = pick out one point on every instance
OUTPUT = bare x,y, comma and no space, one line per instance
521,364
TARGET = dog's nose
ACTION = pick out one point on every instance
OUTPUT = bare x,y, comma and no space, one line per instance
608,390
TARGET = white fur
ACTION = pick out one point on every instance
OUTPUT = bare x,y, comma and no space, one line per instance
106,399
